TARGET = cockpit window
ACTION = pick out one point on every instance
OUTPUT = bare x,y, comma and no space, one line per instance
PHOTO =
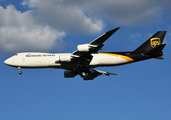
15,54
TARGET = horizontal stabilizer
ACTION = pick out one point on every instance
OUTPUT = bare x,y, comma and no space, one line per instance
156,50
105,73
95,73
159,58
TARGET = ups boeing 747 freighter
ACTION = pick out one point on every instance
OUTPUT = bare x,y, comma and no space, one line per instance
83,61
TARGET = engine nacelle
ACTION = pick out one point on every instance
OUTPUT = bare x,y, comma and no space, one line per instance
90,76
83,48
69,74
65,58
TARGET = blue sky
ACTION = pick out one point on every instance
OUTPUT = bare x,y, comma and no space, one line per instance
141,92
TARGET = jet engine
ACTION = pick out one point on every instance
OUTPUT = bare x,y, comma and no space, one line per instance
89,76
70,73
65,58
86,47
83,48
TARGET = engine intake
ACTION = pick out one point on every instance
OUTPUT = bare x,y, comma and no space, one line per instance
83,48
86,47
65,58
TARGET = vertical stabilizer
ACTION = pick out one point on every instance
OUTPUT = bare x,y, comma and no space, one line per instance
151,43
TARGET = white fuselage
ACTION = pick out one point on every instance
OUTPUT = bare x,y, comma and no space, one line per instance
49,60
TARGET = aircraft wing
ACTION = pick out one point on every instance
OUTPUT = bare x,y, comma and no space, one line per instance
104,37
95,73
82,57
84,51
95,45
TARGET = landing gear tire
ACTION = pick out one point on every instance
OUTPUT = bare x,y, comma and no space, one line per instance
20,70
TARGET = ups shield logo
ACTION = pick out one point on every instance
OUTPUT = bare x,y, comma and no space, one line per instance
155,42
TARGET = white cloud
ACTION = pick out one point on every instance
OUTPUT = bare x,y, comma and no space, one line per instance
47,19
20,32
74,14
42,27
127,12
68,17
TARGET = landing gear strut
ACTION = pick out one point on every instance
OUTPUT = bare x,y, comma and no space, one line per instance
82,69
20,70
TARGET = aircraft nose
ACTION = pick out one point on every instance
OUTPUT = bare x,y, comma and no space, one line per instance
7,62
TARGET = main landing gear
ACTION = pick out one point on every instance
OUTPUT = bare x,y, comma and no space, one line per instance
20,70
82,69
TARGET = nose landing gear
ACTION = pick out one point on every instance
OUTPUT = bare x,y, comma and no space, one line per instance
20,70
